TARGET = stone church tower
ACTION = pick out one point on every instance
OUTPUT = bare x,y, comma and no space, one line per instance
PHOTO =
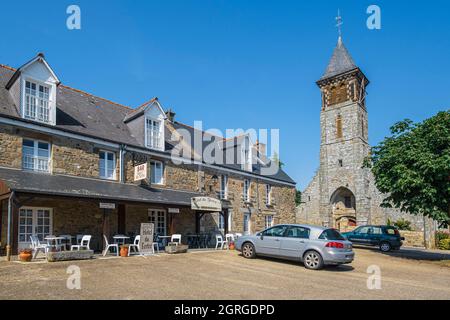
343,194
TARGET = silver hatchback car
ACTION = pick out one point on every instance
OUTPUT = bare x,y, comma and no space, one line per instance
312,245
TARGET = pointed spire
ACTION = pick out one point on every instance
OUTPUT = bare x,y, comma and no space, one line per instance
340,62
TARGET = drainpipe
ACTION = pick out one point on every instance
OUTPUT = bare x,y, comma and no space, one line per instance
122,152
8,239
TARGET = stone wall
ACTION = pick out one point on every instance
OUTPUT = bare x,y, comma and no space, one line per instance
10,148
413,238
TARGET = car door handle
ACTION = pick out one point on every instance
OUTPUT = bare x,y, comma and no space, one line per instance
302,241
277,240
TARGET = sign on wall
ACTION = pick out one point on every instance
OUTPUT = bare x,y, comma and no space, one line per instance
140,172
104,205
206,204
147,233
173,210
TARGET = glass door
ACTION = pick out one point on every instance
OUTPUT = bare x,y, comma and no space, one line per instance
34,222
158,217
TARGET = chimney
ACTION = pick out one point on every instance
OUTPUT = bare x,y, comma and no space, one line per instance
261,147
170,115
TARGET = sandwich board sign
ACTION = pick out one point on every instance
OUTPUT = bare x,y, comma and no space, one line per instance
146,243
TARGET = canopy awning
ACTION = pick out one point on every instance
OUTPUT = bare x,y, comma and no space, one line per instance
69,186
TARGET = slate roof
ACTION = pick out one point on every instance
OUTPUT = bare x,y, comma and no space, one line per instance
59,185
340,62
82,113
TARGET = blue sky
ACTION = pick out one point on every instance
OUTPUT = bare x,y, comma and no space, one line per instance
241,64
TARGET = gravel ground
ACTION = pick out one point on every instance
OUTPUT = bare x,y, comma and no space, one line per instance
410,274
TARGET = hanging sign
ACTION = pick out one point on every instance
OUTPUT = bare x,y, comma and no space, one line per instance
206,204
140,172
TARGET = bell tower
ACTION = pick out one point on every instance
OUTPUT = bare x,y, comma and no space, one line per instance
344,185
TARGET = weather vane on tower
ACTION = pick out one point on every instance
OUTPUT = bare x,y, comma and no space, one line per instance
339,23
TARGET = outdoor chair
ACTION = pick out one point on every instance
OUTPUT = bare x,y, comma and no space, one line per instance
176,238
220,242
110,246
79,237
135,245
36,246
67,242
84,244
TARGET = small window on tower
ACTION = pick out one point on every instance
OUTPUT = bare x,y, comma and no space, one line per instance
339,127
348,202
341,163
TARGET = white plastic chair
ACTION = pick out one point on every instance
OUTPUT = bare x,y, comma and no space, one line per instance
67,242
109,246
135,245
220,242
36,246
79,237
84,243
176,238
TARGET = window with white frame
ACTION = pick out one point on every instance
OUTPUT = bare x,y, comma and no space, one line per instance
159,219
268,222
157,172
37,102
246,190
107,165
223,187
35,155
154,136
268,194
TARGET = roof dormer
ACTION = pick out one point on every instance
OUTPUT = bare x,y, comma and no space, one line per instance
147,124
33,89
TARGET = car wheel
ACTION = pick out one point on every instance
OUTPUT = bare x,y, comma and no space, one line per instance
313,260
248,250
385,247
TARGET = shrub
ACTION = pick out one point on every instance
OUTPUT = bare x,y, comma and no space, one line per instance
441,235
403,224
444,244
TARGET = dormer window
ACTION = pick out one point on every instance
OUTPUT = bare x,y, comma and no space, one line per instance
37,102
33,88
154,134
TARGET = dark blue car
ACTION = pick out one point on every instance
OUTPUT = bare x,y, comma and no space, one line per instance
387,238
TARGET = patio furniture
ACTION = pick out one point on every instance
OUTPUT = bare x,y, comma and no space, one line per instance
84,244
36,246
120,239
79,237
220,242
135,245
176,238
110,246
164,239
67,240
54,243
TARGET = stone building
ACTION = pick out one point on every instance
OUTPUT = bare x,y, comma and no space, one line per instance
342,194
68,165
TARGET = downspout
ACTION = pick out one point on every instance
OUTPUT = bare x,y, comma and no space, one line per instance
8,237
122,152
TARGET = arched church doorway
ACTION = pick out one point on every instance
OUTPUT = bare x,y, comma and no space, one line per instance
343,209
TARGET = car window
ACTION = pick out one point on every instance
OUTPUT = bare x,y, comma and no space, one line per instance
275,231
362,230
376,230
298,232
390,231
331,234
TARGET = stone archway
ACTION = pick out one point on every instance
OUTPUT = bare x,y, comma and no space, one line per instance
343,209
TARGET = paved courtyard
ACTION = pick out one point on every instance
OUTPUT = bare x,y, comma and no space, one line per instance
227,275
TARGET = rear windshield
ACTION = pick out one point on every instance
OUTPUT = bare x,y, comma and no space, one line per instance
331,234
390,231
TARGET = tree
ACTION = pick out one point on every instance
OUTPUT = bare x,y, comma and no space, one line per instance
412,167
298,197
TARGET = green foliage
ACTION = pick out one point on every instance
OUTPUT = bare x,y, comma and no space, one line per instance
403,224
444,244
441,235
412,167
298,197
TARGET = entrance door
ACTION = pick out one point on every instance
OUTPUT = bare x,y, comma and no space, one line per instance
159,218
247,222
34,222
